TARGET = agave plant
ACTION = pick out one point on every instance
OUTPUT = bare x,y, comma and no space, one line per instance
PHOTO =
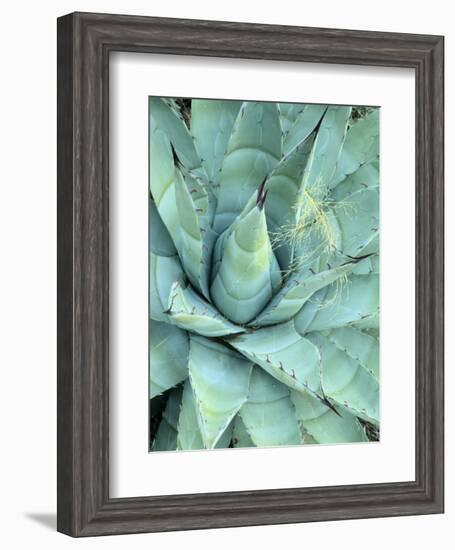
264,283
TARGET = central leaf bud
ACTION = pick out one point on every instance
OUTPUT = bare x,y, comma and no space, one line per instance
246,273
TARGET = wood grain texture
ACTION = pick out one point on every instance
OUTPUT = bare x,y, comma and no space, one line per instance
84,44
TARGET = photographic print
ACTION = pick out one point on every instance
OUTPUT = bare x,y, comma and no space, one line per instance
264,274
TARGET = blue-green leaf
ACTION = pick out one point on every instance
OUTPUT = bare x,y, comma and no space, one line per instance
268,415
323,424
164,266
160,241
283,186
336,306
305,122
240,435
367,176
189,311
220,379
168,356
190,243
253,150
211,126
283,353
357,218
361,146
288,113
298,289
360,346
248,274
325,152
166,436
189,436
346,381
166,120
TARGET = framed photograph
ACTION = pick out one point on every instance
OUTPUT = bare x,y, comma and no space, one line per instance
250,274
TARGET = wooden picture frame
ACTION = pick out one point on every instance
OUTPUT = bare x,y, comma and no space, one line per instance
84,44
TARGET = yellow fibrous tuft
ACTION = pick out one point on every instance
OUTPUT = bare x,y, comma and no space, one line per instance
313,234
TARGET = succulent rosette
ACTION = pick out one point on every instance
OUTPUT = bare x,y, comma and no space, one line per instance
264,274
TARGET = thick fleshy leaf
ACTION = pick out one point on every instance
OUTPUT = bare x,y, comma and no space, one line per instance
282,186
325,152
305,122
367,176
220,379
189,311
340,305
367,265
288,113
190,243
164,271
240,435
319,169
162,175
248,274
283,353
268,415
367,322
166,436
181,199
211,126
357,218
189,436
361,146
323,424
253,150
374,332
168,356
166,120
160,241
362,347
218,249
164,266
346,381
297,290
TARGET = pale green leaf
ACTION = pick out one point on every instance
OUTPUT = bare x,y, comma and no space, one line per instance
297,290
164,271
248,274
282,186
346,381
269,415
190,312
220,379
168,356
240,435
283,353
357,218
211,126
362,347
337,306
253,150
325,152
288,114
361,146
367,176
304,123
323,424
168,121
166,436
189,437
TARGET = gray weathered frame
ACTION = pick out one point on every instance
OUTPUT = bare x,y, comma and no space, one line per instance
84,44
